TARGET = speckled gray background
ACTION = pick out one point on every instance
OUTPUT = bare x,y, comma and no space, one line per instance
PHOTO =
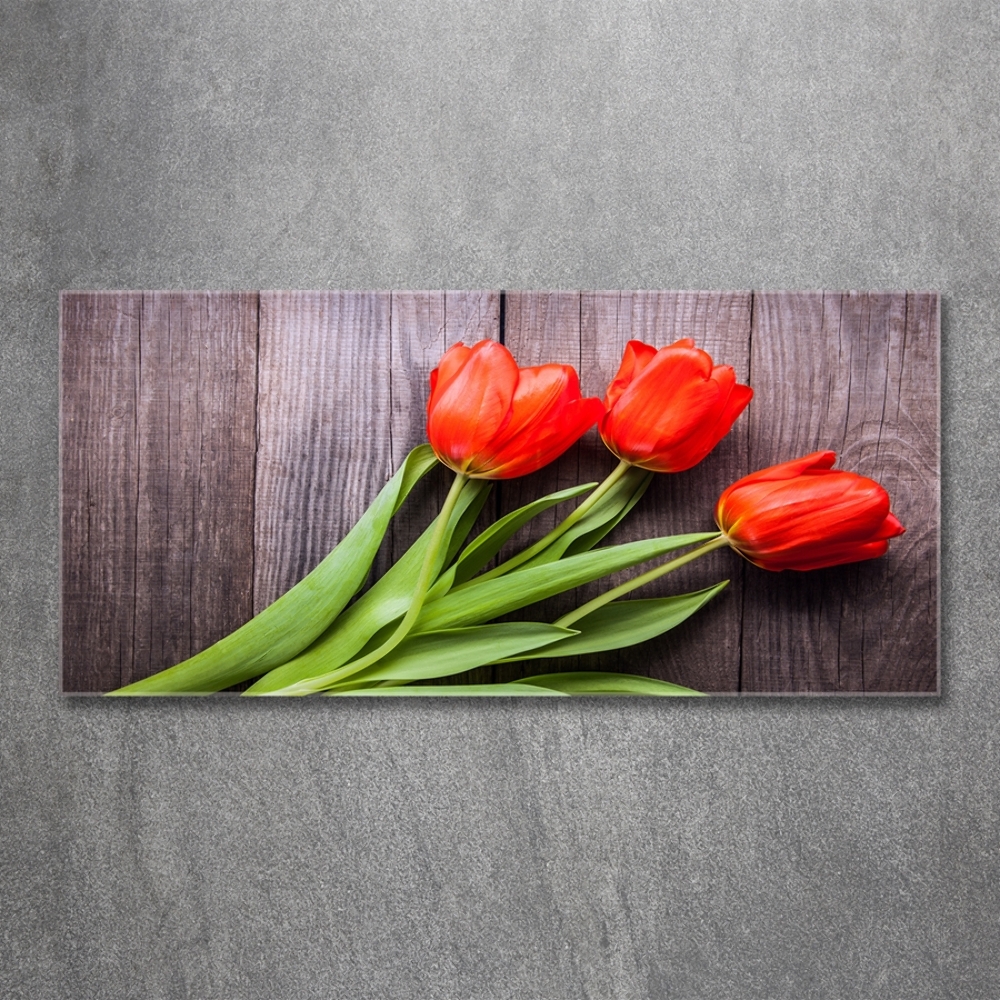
761,849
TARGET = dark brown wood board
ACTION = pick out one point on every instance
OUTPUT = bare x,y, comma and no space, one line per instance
215,446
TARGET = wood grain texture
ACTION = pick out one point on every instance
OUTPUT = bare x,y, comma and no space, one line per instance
194,518
324,413
158,453
99,355
855,373
214,450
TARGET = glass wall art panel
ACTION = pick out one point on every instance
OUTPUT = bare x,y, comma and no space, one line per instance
506,493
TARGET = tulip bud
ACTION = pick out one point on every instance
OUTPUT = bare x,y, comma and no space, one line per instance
805,515
489,419
667,409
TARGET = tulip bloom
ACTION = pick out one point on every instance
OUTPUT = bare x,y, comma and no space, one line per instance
805,515
489,419
667,409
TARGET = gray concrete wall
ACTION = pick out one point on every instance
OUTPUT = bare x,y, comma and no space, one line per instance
767,849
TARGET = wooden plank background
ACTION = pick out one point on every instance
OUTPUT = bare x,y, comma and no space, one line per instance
216,445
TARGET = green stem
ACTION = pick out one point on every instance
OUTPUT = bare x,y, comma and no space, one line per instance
420,589
560,529
648,577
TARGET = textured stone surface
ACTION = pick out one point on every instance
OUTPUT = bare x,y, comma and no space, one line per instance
759,849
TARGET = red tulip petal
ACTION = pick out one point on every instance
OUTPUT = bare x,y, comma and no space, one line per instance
739,399
736,402
546,418
796,467
671,414
449,366
815,461
471,402
658,419
838,505
671,370
831,556
538,390
636,357
891,527
568,424
730,401
805,515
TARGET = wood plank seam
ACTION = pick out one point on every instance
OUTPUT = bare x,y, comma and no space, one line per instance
256,453
138,487
743,568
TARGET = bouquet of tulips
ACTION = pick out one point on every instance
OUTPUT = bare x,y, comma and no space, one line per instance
433,613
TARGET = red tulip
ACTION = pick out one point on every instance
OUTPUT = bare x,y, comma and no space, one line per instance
667,409
805,515
489,419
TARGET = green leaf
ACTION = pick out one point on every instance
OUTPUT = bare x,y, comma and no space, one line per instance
481,601
458,529
486,545
384,602
457,536
625,623
296,618
452,691
583,683
585,540
446,652
599,521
